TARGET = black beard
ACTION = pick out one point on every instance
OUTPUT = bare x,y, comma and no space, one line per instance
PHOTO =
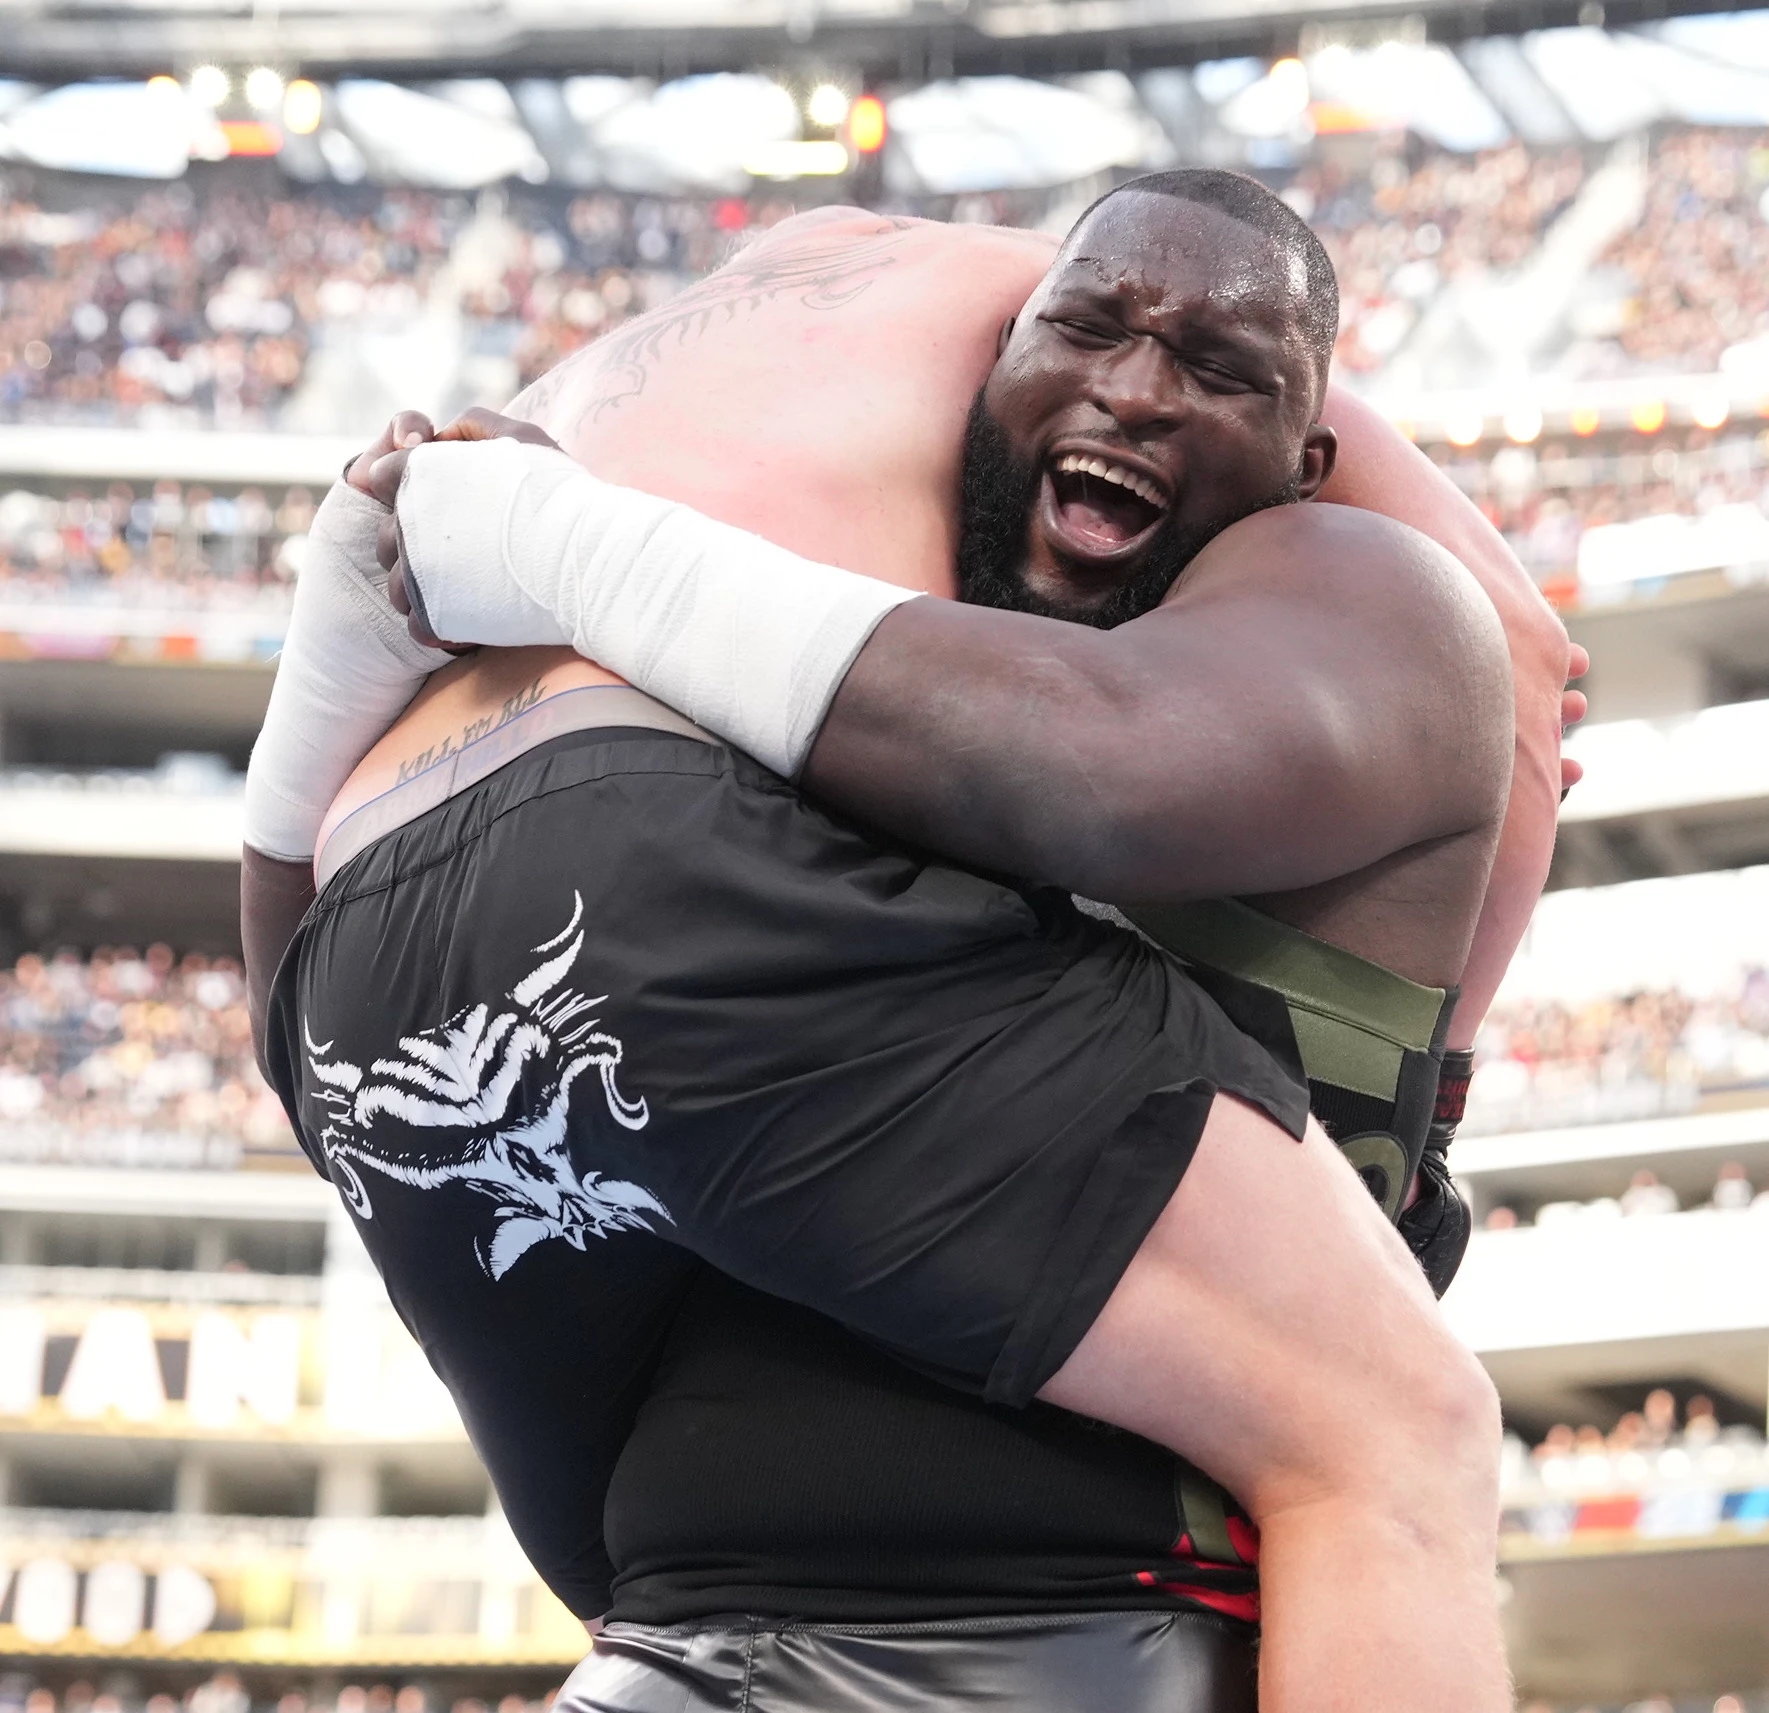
997,491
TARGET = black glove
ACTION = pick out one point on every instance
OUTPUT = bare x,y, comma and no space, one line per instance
1438,1224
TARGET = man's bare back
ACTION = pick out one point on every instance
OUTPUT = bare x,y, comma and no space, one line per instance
813,390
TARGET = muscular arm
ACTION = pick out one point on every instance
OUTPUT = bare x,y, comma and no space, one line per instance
1379,471
1321,690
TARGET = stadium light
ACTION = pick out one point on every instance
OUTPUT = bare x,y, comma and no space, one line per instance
164,84
1523,424
1584,419
264,87
828,106
251,137
867,125
303,106
1464,430
1710,411
209,85
1648,416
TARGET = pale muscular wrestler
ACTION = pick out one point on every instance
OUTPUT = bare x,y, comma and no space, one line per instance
1378,1457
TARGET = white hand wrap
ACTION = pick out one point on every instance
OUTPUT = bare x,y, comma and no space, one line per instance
348,668
511,543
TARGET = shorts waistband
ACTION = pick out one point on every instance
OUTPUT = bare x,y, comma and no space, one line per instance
1111,1662
589,707
577,757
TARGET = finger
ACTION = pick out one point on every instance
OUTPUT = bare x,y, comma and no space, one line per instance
410,428
1571,772
1579,662
386,475
478,423
474,423
390,551
1573,708
358,473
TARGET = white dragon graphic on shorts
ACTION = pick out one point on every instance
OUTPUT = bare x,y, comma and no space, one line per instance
461,1076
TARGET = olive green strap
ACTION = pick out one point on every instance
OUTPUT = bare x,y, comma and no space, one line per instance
1354,1021
1204,1516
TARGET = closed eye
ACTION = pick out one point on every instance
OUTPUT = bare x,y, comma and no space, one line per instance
1218,378
1091,335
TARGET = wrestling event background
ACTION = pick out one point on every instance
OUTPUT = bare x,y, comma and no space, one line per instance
233,239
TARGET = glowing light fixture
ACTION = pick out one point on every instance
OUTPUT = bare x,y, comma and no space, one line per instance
1584,419
163,84
867,125
303,106
251,137
1648,416
1710,411
1523,424
795,160
264,87
1464,430
1289,82
827,106
210,85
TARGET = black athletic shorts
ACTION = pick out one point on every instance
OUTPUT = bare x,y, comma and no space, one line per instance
632,1003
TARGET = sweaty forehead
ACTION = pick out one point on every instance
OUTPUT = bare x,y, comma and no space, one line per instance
1177,256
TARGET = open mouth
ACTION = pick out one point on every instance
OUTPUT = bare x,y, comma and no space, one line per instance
1099,509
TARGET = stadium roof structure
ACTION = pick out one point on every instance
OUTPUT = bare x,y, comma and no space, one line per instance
900,40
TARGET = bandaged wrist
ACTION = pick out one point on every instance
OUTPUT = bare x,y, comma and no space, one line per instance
348,668
510,543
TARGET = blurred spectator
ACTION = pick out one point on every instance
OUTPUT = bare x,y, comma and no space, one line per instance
1501,1218
1659,1419
1701,1427
1646,1195
223,1693
130,1042
1732,1188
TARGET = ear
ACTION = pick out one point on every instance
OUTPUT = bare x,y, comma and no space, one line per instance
1003,336
1320,452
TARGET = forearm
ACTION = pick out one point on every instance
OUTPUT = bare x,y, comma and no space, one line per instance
348,667
274,896
1380,471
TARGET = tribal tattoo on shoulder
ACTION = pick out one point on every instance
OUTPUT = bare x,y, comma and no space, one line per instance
826,272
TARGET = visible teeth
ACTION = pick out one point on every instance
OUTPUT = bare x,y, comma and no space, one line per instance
1080,464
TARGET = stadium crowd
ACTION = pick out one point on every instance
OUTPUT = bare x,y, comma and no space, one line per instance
1630,1056
168,547
1398,232
130,1043
1697,261
176,306
225,1693
1644,1198
1544,498
180,303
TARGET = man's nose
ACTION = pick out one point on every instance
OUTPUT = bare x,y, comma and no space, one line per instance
1137,387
